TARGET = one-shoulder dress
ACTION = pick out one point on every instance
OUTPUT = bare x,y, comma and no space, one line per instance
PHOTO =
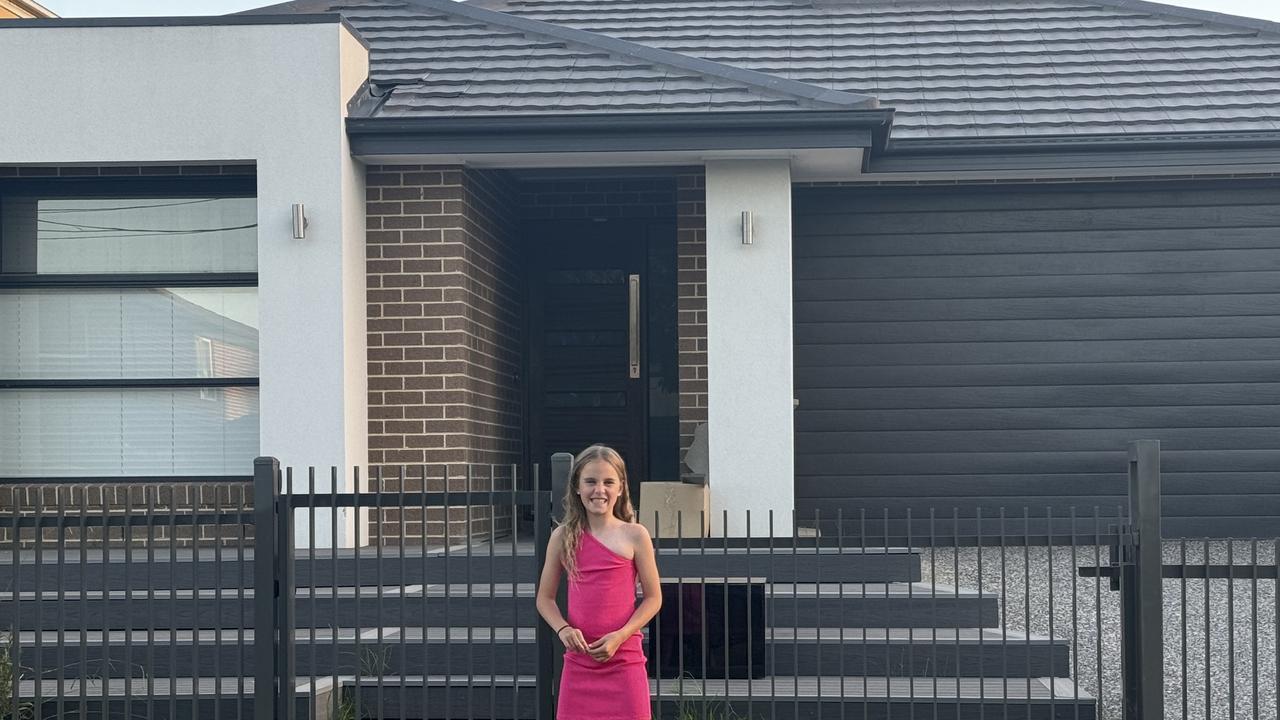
602,599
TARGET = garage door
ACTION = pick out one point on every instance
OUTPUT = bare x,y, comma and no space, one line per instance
998,346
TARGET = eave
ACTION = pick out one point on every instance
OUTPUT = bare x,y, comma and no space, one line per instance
1049,156
646,132
820,144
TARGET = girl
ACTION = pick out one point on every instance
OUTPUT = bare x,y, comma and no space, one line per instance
603,551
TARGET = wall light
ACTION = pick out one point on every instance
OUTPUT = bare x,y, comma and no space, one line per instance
748,228
299,222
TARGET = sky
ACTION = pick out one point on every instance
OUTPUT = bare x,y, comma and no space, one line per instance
1264,9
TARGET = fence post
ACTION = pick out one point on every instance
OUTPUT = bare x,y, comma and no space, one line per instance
286,669
266,490
561,465
546,641
1142,607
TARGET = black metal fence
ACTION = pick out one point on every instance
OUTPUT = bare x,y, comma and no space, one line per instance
253,603
139,611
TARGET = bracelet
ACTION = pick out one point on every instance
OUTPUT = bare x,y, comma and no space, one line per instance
561,628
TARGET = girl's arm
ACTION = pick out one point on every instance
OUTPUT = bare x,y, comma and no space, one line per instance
548,583
650,586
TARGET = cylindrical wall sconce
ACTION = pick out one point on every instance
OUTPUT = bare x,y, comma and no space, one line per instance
299,222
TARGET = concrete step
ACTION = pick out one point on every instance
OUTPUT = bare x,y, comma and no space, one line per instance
879,605
807,651
230,652
793,698
919,652
477,563
154,698
506,696
499,605
830,697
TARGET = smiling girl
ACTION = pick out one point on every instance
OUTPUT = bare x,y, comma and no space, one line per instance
603,551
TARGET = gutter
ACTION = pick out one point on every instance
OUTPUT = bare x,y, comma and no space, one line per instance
1100,152
624,132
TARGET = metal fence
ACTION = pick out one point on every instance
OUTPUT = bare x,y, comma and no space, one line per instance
1008,613
120,612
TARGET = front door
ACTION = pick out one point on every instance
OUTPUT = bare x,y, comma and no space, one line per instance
588,377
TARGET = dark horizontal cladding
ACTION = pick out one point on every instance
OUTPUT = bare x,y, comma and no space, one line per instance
629,133
127,383
127,280
971,348
1102,152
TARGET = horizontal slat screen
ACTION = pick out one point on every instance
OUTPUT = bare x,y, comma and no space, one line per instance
985,347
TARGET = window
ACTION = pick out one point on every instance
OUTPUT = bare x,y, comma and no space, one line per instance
128,328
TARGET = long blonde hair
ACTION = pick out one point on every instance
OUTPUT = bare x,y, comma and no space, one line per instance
575,516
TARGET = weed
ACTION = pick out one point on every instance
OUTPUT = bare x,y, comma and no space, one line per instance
373,661
9,673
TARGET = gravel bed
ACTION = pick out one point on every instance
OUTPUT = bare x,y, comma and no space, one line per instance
1091,621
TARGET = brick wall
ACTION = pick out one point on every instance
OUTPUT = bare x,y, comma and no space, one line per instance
445,295
691,254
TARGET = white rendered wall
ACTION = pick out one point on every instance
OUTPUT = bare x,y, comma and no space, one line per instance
751,445
274,95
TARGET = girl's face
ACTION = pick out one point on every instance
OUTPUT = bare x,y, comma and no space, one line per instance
599,488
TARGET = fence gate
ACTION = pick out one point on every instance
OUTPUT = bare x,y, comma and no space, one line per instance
429,616
1155,611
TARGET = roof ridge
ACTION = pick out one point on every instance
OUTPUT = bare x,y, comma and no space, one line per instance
1149,6
1208,16
652,55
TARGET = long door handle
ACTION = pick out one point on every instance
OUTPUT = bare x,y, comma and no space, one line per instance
633,326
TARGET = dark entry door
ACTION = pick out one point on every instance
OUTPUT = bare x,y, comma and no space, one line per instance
587,321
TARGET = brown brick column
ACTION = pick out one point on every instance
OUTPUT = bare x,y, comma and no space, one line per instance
445,319
691,239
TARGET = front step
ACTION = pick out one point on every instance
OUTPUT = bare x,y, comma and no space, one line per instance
499,605
481,563
790,698
157,698
810,697
516,697
919,652
807,651
879,605
228,652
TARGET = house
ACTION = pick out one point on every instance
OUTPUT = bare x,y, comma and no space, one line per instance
893,255
23,9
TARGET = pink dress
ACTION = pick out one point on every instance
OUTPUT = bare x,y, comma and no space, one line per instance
601,601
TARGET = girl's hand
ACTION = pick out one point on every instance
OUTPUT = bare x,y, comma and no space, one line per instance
604,648
573,639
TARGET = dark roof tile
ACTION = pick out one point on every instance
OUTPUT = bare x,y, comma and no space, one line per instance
952,68
960,67
441,58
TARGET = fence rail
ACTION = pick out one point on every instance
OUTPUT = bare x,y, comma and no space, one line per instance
250,603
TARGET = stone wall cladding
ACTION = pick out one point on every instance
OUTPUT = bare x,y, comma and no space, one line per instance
445,323
691,254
